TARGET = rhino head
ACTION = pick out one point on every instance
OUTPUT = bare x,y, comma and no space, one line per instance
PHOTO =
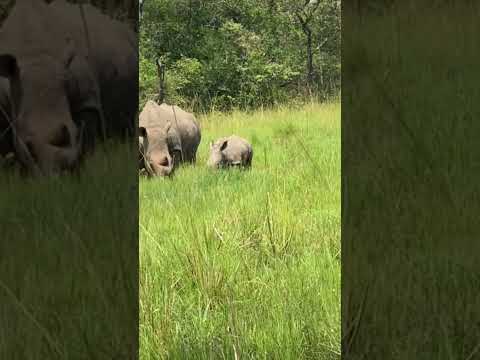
50,110
155,157
51,91
217,158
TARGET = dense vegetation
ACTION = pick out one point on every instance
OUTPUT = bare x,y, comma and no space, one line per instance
227,54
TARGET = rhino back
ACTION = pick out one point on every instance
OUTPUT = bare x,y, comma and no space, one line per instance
33,28
112,43
30,30
238,149
153,116
187,129
110,47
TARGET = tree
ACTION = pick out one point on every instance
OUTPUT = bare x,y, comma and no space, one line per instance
305,15
231,53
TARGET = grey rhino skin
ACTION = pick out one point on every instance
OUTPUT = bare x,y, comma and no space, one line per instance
63,85
168,136
230,151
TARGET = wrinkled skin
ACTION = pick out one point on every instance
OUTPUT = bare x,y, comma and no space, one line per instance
230,151
168,136
54,101
184,134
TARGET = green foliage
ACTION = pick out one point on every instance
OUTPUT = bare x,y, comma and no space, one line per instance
148,83
186,81
238,54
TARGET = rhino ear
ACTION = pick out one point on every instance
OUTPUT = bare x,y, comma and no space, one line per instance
224,145
142,131
8,65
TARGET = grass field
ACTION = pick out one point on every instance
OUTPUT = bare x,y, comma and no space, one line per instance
68,262
410,181
246,264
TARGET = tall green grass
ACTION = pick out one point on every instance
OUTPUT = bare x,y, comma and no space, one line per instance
69,261
246,264
410,169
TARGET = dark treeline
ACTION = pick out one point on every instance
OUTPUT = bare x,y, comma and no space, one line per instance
226,54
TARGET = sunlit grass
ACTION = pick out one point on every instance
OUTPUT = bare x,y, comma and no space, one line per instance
247,263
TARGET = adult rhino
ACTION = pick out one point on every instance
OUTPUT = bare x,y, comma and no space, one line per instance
230,151
66,74
168,136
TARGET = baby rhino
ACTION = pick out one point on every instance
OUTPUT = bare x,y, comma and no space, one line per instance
230,151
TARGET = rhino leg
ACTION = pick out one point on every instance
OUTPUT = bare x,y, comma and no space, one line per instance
249,159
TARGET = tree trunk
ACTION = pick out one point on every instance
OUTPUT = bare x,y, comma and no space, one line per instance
140,8
304,21
310,71
161,82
